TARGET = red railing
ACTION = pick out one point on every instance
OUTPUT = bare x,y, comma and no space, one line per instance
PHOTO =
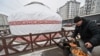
17,44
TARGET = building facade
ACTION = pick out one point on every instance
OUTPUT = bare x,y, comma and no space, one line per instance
88,6
95,7
70,9
92,7
82,11
4,26
63,12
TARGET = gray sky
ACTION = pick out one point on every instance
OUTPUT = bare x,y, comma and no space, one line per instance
54,4
8,6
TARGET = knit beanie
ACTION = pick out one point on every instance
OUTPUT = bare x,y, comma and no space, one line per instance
77,19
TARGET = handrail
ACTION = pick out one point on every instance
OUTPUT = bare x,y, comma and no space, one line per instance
28,42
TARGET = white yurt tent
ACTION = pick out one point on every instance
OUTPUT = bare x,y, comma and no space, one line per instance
34,18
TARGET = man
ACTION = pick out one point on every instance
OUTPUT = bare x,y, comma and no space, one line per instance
88,31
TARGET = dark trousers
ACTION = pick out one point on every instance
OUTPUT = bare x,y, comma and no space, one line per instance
66,51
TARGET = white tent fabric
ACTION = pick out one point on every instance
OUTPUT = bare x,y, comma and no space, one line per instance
34,18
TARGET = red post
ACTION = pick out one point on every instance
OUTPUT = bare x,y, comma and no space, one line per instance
5,46
50,39
31,42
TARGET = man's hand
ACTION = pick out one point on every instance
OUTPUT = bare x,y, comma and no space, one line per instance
88,45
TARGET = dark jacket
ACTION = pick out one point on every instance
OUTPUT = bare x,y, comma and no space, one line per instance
89,32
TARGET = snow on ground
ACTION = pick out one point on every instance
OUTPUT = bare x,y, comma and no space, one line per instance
37,53
69,28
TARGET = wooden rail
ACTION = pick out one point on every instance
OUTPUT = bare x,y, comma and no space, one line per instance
23,43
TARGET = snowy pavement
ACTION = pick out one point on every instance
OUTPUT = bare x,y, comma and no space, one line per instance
37,53
96,52
69,28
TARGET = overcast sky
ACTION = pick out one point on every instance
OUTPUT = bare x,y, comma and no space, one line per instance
8,6
54,4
